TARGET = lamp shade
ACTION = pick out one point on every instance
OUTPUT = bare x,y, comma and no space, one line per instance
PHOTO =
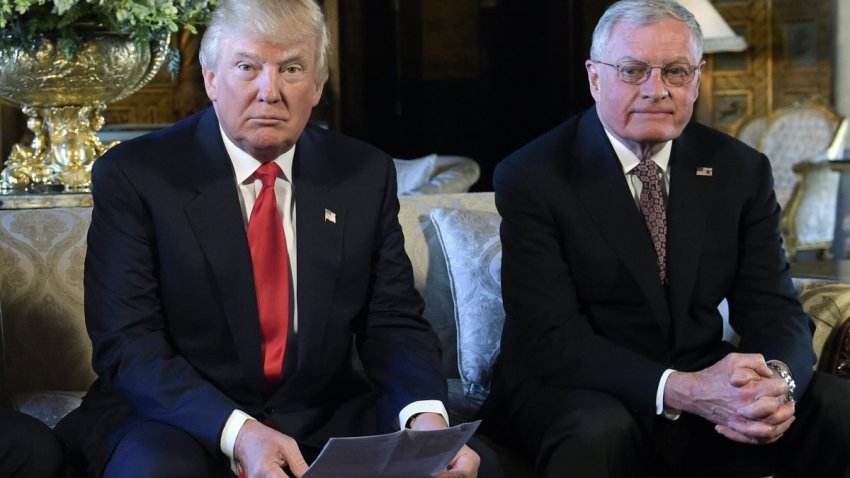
717,34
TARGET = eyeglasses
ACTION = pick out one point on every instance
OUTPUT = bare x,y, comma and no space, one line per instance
636,72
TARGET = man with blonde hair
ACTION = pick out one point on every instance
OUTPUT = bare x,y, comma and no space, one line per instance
234,261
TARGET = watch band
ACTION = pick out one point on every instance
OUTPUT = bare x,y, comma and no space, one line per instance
672,414
780,369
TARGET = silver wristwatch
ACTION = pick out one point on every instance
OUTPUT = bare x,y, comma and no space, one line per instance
782,370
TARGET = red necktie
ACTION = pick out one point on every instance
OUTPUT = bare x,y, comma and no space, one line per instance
654,213
271,272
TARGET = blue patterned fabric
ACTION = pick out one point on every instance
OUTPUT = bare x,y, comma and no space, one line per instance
470,242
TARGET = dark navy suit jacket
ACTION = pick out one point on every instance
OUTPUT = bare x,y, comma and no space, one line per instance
585,306
171,306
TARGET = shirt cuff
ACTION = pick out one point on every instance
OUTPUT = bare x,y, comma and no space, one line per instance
421,406
659,394
227,443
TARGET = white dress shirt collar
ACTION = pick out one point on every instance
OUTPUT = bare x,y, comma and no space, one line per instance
244,164
629,160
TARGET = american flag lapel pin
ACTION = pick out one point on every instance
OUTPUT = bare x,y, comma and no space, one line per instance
703,171
330,216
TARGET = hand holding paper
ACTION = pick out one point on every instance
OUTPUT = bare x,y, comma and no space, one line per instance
404,454
263,451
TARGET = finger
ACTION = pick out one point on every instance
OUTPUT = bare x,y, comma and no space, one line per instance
732,434
743,376
754,362
465,463
774,387
763,370
762,408
784,413
457,473
759,431
741,438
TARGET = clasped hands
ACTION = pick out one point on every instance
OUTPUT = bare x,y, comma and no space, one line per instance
740,394
264,452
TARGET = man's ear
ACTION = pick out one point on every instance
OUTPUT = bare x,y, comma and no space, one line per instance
697,81
318,94
592,79
209,84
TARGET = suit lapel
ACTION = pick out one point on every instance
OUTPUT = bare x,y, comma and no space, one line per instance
320,224
598,179
691,196
216,218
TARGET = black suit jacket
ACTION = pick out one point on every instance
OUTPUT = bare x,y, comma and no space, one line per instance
171,306
585,306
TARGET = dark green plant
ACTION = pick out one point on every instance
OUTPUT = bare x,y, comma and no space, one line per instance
26,23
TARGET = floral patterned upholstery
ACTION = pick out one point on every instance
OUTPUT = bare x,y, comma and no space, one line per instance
41,294
828,305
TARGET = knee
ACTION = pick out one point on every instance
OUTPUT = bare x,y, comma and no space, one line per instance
175,454
30,448
607,434
613,429
155,464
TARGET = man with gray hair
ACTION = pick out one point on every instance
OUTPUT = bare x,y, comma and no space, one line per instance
234,261
623,230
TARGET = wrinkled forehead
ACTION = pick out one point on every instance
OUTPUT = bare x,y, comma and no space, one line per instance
252,47
663,41
234,47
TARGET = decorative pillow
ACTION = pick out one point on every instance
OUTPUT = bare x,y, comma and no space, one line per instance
413,173
470,242
49,406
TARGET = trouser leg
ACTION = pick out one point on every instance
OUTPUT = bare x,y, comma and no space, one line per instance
28,447
154,449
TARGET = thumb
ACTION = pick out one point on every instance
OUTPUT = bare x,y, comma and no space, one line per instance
298,466
449,474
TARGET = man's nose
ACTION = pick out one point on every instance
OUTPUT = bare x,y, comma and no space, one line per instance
654,86
267,87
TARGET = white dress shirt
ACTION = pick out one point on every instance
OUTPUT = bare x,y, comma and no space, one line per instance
629,161
248,188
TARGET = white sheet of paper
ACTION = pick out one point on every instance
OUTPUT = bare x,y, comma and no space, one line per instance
403,454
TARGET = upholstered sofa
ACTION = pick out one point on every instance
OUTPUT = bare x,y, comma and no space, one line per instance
452,240
436,174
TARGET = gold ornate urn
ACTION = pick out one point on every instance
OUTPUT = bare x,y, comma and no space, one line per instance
64,99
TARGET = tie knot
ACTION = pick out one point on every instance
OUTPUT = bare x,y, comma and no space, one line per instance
647,170
647,163
267,173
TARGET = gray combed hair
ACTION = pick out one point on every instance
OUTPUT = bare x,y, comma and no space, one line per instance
287,21
640,13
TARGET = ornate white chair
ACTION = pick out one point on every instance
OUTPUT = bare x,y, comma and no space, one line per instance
795,140
808,220
751,129
794,135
